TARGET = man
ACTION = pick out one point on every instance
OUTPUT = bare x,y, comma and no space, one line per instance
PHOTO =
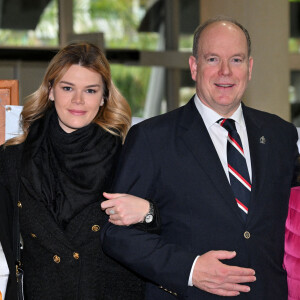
222,190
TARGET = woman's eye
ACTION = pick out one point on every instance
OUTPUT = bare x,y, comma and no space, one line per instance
91,91
67,88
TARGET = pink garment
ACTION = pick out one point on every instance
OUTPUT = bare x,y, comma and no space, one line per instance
292,245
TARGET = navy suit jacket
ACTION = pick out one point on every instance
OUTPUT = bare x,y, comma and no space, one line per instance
6,238
171,160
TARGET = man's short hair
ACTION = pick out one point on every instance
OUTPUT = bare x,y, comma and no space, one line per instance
201,28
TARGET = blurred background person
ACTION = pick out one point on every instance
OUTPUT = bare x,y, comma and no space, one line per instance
292,241
7,261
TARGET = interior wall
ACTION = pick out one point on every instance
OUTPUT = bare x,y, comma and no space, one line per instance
28,73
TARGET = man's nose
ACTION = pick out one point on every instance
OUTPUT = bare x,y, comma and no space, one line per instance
225,68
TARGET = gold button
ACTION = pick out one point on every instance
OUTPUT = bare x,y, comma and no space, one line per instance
19,204
247,235
33,235
76,255
95,228
56,259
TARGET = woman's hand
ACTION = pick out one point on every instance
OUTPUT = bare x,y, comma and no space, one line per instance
124,209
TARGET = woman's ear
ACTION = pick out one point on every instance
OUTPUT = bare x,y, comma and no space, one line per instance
51,96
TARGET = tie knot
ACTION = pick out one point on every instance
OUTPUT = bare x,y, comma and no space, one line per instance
228,124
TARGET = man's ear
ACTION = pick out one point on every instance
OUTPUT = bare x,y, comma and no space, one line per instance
193,67
250,67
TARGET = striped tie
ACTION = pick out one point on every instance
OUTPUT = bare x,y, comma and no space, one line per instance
237,167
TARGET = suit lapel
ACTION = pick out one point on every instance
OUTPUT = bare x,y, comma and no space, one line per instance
199,143
259,146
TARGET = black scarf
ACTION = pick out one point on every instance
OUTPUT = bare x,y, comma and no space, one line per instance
67,171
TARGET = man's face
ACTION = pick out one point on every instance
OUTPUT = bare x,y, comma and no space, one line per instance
223,67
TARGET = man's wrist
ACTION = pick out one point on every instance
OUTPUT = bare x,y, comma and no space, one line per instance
149,217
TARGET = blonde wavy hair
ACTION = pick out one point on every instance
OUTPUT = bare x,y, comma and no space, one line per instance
114,116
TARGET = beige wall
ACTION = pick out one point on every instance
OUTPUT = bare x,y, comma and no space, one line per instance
268,25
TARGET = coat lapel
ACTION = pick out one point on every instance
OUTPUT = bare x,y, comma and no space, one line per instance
45,220
199,143
259,146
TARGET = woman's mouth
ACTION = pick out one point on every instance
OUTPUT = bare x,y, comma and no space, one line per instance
77,112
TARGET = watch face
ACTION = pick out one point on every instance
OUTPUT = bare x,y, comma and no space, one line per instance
148,218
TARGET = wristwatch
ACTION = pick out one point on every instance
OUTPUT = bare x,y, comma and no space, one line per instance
150,215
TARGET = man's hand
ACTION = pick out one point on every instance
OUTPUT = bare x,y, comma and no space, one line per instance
124,209
214,277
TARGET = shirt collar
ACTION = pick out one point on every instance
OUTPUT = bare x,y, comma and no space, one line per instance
210,117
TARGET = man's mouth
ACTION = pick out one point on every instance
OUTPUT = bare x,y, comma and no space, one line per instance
224,85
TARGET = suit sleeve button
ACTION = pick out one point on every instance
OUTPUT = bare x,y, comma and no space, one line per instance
19,204
56,259
95,228
33,235
247,235
76,255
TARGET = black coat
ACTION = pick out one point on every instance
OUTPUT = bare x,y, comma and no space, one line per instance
69,264
6,238
171,160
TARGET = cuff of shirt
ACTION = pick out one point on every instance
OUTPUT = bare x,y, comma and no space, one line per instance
190,283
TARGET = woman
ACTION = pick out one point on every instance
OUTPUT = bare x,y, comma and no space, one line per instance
7,261
56,172
292,245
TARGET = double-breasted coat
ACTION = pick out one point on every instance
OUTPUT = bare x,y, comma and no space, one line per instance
64,264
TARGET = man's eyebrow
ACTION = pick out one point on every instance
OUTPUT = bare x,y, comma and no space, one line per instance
240,54
214,54
210,54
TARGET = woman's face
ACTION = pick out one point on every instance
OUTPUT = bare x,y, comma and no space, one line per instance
77,97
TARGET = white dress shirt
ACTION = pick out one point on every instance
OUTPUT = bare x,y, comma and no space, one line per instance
218,135
4,272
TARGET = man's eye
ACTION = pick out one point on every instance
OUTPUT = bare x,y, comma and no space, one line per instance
212,59
237,60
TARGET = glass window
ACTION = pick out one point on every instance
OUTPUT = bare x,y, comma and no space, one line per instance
294,40
132,82
117,19
45,20
129,26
